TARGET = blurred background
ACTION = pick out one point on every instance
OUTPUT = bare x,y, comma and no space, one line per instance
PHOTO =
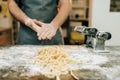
101,14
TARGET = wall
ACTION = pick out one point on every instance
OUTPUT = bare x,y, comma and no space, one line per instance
105,20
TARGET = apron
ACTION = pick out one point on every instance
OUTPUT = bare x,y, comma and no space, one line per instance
42,10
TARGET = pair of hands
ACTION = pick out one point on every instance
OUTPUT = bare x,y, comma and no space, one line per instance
44,31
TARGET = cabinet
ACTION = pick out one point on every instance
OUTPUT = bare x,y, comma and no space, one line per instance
79,10
5,38
6,21
79,16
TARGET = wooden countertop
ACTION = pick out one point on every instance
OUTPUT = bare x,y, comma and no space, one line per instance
15,63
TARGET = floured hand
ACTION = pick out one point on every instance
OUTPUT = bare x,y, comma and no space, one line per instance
47,31
30,23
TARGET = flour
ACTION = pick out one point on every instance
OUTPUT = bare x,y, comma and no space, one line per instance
24,55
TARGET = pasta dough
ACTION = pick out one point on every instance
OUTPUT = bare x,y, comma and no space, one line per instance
55,59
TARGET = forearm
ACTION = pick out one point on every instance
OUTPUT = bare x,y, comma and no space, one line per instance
20,15
64,9
16,11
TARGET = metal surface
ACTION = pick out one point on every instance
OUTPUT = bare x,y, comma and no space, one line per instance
101,37
90,34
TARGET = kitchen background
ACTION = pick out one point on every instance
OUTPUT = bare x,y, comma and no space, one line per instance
101,14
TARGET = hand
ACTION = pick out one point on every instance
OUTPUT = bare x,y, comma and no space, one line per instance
47,30
33,25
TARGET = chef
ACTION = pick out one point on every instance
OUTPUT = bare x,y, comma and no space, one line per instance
40,20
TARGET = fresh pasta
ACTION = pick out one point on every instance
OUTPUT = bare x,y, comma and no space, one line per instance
55,59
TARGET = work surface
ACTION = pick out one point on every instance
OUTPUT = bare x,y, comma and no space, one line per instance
16,63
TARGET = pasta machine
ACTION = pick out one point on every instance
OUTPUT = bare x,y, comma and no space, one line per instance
94,39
